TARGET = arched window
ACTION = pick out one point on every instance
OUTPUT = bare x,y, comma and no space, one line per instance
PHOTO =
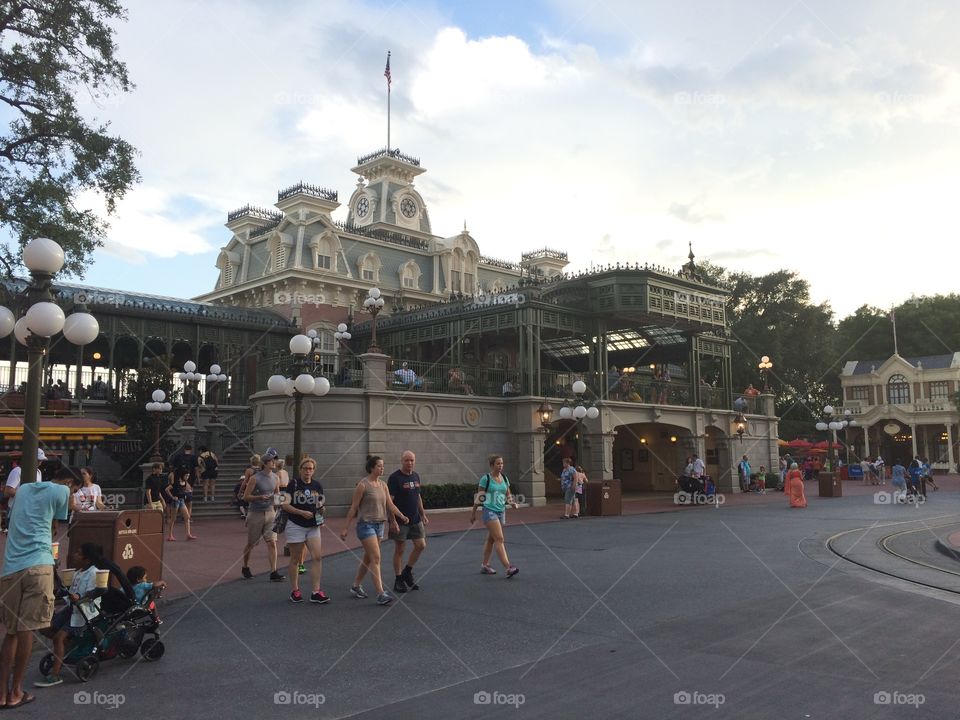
410,275
898,390
369,267
456,271
497,286
324,253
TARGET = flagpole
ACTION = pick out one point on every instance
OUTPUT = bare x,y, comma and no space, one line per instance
893,318
387,75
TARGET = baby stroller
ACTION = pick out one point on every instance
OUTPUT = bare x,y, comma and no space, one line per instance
120,627
693,489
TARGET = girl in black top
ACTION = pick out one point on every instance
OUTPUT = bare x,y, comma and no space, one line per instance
179,490
303,503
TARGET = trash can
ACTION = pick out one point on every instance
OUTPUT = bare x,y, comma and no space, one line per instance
830,484
602,497
128,538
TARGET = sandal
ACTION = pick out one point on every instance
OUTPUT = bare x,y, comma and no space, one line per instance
25,700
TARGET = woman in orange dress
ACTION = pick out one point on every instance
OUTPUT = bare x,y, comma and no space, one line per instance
793,487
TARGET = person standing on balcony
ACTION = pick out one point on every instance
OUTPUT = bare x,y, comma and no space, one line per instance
751,391
405,376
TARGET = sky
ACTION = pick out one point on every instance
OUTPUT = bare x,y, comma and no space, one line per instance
810,135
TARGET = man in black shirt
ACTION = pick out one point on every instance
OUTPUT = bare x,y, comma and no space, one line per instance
153,499
404,487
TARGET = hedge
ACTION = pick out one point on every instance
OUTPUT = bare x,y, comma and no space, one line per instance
448,495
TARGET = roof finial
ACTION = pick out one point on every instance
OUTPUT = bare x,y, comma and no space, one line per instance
690,244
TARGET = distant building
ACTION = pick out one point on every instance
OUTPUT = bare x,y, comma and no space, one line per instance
904,407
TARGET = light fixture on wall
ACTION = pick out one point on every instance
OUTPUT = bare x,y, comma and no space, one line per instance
740,425
545,414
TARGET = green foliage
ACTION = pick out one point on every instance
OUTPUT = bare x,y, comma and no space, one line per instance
130,410
448,495
53,52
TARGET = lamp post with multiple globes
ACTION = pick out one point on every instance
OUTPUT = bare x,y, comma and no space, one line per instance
299,385
373,305
764,366
42,320
158,407
577,409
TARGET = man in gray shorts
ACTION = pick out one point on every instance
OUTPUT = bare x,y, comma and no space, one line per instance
404,487
260,492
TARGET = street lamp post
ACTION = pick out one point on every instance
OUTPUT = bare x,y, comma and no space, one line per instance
342,336
764,366
300,385
43,319
191,390
215,378
832,426
577,409
373,305
158,407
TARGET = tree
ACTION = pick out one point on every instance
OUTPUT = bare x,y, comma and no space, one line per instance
51,50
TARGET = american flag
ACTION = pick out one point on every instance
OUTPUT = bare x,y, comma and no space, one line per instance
386,71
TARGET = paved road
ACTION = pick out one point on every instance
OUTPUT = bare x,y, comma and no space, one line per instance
741,611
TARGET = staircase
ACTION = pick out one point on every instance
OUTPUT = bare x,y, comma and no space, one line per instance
232,464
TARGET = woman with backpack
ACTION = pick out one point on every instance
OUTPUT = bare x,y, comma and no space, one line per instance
493,495
209,469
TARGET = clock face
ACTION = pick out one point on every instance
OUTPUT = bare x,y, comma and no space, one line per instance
408,207
363,207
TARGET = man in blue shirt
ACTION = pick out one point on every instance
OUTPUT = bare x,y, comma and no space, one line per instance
26,581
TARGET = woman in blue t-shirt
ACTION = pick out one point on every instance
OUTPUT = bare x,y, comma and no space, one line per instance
494,495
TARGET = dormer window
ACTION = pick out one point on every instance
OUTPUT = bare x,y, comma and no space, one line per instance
410,275
369,266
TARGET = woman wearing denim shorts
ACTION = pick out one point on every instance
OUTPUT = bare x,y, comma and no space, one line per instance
372,507
493,495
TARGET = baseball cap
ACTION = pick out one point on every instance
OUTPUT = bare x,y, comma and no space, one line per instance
41,456
269,454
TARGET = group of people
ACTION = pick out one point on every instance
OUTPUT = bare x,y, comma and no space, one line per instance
170,489
912,479
279,504
572,480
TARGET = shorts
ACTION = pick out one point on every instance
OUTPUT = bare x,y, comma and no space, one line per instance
569,495
157,505
369,529
175,503
260,525
297,534
61,618
409,532
26,599
489,515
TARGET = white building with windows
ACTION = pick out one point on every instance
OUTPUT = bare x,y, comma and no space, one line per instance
905,407
296,260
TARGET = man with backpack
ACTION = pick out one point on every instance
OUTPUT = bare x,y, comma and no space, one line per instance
209,464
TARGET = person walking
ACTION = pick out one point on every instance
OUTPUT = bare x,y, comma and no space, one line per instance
153,487
26,581
179,490
260,490
404,487
928,475
304,507
493,495
581,480
209,470
793,487
899,481
568,483
372,507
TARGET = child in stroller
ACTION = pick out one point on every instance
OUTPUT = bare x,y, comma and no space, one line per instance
107,622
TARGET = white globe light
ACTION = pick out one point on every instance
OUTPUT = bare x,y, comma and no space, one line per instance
369,302
828,409
300,344
159,396
565,413
81,328
342,327
321,387
765,359
221,378
311,334
579,387
346,336
166,407
380,302
836,426
45,319
579,412
214,369
43,255
288,387
853,423
152,406
374,293
593,413
304,384
7,321
277,384
189,366
21,330
821,426
211,378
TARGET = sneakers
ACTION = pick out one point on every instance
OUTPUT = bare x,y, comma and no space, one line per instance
487,570
296,596
407,577
319,597
358,592
399,586
276,577
511,571
48,681
301,569
245,571
384,598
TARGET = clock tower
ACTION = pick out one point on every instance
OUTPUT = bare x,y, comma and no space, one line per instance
385,196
